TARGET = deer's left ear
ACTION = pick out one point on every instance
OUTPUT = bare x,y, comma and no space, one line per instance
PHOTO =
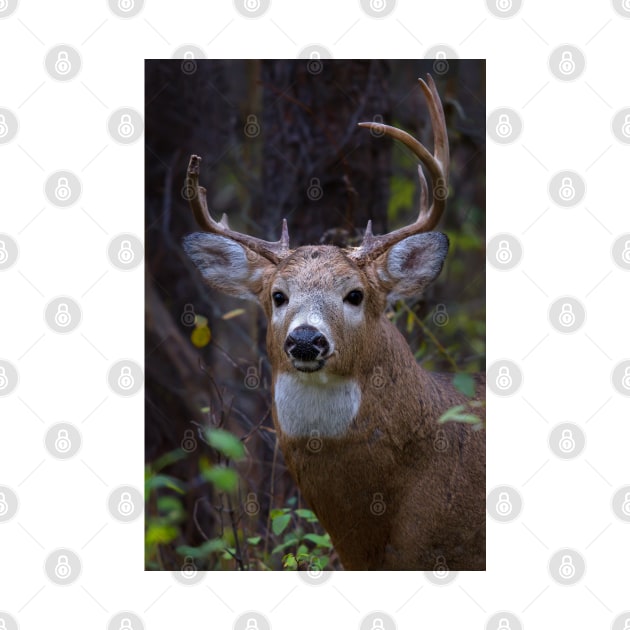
411,265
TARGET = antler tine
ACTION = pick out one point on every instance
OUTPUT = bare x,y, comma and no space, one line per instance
437,164
196,194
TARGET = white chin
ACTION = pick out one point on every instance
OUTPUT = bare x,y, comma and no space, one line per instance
308,366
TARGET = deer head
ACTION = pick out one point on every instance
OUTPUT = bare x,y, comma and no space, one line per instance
324,304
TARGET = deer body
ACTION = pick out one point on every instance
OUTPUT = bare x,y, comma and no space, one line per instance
356,417
395,490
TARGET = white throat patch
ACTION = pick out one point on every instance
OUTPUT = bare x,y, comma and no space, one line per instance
316,402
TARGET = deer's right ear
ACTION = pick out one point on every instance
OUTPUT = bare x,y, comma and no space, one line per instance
226,265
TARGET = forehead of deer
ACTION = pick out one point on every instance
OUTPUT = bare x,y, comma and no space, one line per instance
318,266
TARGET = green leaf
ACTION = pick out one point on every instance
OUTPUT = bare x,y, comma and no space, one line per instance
465,383
166,460
289,540
320,541
164,481
204,550
458,414
289,561
307,514
278,512
170,506
279,524
160,534
254,540
221,477
226,443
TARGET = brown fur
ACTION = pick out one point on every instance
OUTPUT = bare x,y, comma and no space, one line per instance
397,490
430,477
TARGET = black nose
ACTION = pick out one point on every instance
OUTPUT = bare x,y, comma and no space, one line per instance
306,343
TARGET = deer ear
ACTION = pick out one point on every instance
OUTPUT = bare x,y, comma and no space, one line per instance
411,265
226,265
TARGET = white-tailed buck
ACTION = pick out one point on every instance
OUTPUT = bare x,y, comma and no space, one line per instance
356,417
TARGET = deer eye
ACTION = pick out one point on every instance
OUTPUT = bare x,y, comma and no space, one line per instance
354,297
279,298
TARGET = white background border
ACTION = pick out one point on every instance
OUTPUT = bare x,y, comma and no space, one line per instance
63,378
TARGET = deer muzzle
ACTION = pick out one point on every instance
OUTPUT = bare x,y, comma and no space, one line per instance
307,348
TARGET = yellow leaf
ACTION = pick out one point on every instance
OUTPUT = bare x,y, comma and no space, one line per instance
201,336
234,313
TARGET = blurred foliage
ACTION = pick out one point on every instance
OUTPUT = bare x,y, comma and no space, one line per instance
218,494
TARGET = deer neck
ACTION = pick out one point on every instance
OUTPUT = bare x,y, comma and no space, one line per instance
316,404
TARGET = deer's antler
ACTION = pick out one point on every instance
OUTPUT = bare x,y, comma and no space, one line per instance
437,165
196,195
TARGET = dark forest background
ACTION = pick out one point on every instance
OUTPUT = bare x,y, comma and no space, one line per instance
279,139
